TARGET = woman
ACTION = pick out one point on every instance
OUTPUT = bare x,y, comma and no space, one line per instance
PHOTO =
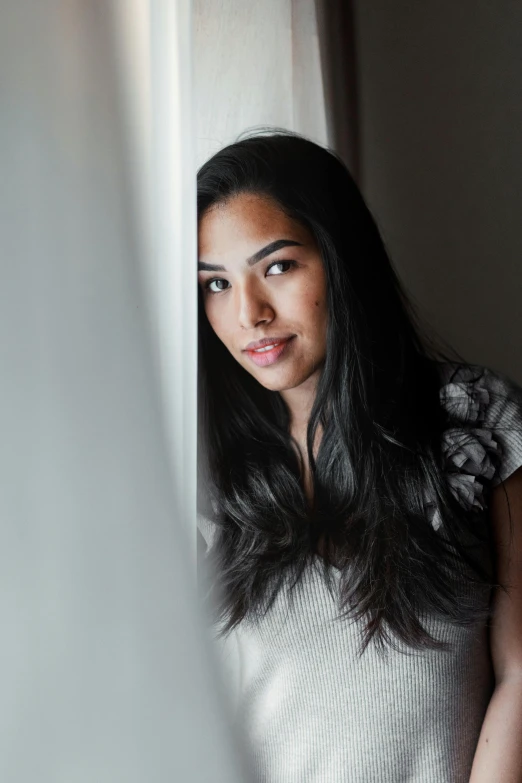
360,533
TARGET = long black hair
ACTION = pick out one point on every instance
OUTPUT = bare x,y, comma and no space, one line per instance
378,403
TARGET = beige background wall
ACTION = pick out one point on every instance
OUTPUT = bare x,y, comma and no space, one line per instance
441,112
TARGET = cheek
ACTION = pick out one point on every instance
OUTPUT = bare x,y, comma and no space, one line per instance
309,303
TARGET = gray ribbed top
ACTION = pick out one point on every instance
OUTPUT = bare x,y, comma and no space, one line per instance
313,711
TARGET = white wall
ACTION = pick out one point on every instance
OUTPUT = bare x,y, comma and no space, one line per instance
441,111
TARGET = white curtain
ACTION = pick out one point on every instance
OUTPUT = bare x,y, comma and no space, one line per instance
104,672
256,64
288,63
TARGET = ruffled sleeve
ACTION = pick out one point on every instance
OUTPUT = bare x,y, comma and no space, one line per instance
483,446
503,418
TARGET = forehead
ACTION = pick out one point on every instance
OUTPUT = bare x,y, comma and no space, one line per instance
247,220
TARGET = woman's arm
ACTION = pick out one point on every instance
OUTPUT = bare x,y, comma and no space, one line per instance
498,757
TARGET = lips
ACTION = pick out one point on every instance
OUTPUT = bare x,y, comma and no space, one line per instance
272,353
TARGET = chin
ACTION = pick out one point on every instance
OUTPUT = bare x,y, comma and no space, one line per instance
280,384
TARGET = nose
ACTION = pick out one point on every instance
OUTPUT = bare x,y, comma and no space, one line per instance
253,305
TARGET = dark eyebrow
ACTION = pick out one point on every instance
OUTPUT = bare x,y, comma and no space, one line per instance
265,251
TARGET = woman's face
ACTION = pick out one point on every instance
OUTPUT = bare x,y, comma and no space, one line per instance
262,276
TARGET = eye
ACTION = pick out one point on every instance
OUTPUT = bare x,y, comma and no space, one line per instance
214,280
278,263
222,280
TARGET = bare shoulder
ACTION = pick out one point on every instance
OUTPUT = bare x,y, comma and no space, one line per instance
506,627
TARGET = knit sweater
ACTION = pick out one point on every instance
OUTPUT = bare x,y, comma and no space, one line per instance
311,710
